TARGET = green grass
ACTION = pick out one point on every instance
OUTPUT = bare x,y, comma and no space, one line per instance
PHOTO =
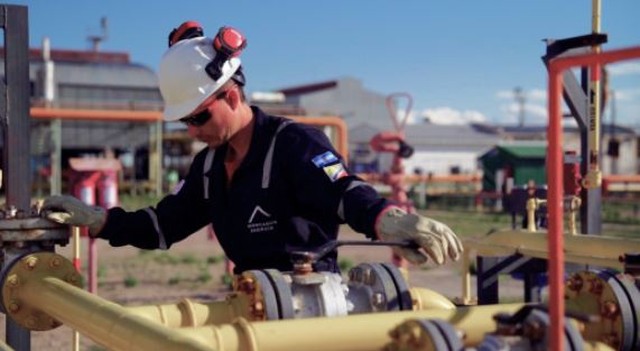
474,224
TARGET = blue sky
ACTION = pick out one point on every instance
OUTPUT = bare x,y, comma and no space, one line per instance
459,60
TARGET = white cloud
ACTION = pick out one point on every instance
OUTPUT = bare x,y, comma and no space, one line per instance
529,95
627,94
448,115
535,107
537,95
622,69
534,114
505,94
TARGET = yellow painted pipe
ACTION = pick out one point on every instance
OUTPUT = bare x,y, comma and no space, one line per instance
410,335
532,205
362,332
593,178
586,249
426,299
105,322
187,313
4,346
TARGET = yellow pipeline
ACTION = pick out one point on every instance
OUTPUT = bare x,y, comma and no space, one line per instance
103,321
363,332
532,205
426,299
187,313
34,293
4,346
586,249
411,336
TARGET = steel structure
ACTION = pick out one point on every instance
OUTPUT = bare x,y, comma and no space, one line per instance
555,196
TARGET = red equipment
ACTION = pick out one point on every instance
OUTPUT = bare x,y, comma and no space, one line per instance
93,174
393,142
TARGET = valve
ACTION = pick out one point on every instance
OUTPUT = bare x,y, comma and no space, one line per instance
302,293
527,330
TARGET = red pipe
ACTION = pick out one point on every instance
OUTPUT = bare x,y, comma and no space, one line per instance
554,208
554,179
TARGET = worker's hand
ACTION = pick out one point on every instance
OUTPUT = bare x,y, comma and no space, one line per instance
435,238
67,209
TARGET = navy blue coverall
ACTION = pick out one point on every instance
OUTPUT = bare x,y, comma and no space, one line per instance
291,192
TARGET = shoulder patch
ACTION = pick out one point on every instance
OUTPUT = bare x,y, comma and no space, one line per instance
335,172
324,159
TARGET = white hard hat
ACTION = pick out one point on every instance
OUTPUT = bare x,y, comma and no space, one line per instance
184,83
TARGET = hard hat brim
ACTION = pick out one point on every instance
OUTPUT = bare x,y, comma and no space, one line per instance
184,84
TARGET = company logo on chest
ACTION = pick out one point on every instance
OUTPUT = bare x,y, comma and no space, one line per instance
260,221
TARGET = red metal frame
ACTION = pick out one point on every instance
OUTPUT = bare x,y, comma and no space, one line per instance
555,176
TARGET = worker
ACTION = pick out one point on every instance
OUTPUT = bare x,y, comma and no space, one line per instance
269,186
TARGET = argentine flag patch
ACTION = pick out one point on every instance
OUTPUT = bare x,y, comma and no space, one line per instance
324,159
331,165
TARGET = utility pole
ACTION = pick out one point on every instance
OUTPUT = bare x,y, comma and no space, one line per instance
518,94
95,40
614,143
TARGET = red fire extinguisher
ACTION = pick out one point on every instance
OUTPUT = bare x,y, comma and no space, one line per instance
108,189
85,190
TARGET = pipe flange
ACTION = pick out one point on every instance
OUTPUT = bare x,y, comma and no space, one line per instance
263,303
283,293
405,302
21,276
611,296
425,335
32,229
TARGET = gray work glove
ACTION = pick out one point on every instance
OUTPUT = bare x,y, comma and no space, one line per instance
67,209
435,238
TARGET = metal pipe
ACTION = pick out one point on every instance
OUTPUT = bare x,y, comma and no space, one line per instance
103,321
15,129
586,249
187,313
363,332
427,299
5,347
554,209
593,179
554,177
99,115
466,278
532,205
574,208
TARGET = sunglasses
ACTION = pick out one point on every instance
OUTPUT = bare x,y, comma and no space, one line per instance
197,120
200,118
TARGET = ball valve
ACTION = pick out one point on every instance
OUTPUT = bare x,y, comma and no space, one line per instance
302,293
